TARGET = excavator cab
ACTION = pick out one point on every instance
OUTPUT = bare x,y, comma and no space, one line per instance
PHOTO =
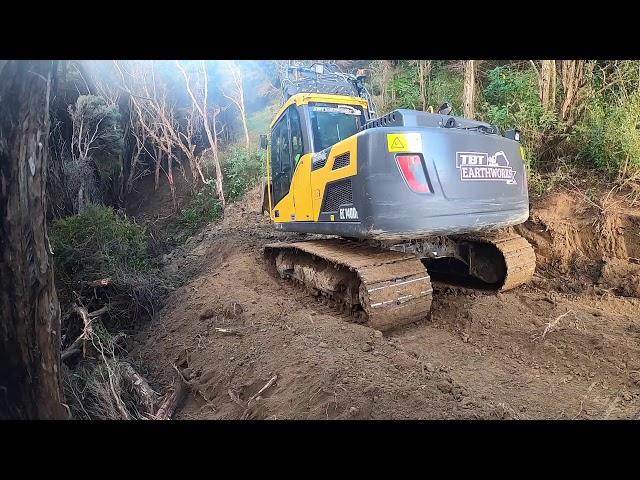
305,125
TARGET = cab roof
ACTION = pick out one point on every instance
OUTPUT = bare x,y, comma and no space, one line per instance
306,98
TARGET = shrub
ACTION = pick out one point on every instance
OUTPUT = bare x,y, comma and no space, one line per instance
99,244
242,169
98,241
204,207
406,89
445,86
610,135
98,123
511,99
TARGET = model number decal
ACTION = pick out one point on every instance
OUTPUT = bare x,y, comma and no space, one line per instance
480,166
349,213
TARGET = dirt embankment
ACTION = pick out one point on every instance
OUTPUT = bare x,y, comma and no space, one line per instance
586,245
566,345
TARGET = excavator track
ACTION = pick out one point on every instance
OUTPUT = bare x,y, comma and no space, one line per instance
517,253
379,288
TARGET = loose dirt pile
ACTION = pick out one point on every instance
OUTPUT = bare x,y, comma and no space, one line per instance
567,345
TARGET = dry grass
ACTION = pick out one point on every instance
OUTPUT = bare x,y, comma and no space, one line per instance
99,387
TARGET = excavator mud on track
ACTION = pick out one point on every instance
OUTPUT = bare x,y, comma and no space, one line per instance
379,288
399,199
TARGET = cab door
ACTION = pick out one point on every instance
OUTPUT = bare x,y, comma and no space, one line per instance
280,161
301,183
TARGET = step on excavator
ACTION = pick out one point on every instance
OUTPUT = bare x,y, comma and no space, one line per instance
393,200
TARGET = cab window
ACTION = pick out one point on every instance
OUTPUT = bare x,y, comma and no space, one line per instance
332,123
297,148
281,159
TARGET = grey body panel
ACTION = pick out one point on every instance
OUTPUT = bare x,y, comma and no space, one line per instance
488,195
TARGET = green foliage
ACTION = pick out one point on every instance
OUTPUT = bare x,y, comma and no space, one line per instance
610,135
258,122
614,79
406,88
100,244
97,124
242,169
511,99
445,86
203,208
97,242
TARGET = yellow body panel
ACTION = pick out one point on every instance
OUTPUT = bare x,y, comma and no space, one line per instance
296,205
304,200
324,175
301,188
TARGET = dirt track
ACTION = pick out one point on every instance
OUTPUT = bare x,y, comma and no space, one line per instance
478,356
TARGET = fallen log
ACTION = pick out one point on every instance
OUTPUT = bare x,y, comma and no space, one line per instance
100,311
103,282
78,344
170,403
147,396
73,349
86,319
69,352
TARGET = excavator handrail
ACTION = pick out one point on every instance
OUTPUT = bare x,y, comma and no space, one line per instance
329,79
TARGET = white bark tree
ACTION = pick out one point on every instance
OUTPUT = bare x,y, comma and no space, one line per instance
235,93
200,102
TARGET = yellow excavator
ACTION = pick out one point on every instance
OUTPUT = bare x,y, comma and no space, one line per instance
393,200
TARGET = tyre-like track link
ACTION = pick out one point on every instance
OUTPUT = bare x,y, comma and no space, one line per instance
381,288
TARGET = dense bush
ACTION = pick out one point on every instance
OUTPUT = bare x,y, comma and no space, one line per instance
96,242
204,207
242,169
511,99
100,244
610,135
406,89
445,86
97,123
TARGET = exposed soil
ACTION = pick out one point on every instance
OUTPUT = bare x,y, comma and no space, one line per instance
566,345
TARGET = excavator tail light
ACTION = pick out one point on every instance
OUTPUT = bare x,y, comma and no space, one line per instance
414,172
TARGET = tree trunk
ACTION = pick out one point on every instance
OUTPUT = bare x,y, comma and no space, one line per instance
469,88
548,84
424,71
573,81
213,139
243,113
29,308
244,125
